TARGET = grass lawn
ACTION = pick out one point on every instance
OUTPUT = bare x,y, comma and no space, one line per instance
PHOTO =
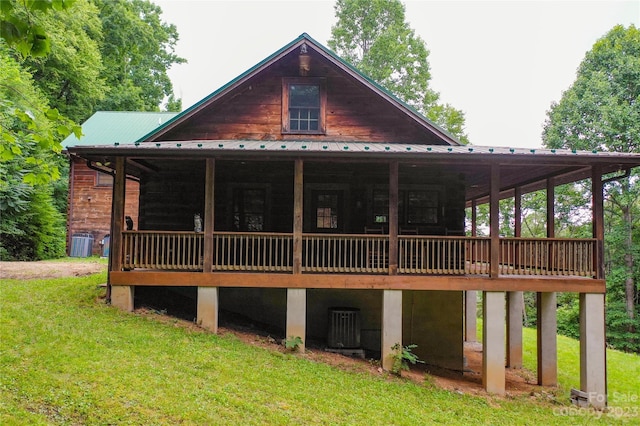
67,358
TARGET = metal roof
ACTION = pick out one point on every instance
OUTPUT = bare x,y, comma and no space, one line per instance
317,148
108,127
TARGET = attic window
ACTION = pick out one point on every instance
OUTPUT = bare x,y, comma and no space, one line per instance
303,106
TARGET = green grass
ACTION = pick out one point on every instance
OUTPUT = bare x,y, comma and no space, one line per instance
67,358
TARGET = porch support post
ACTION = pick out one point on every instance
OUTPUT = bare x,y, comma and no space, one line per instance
119,296
593,355
209,214
494,220
117,215
593,363
391,325
297,314
393,217
207,310
297,297
493,347
515,299
207,306
298,191
597,210
471,296
547,323
547,340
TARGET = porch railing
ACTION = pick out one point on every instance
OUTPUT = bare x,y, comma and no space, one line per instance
345,253
162,250
244,251
547,256
363,254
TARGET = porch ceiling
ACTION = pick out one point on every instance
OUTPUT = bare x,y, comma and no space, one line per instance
525,168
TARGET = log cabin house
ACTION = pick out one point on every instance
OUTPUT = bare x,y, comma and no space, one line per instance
326,204
90,189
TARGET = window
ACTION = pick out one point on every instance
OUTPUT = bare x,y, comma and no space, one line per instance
327,209
104,179
303,105
422,207
248,209
415,207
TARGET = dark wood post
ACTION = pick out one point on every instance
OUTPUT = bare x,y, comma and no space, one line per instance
117,216
117,222
517,213
298,207
474,218
597,210
494,220
209,214
393,217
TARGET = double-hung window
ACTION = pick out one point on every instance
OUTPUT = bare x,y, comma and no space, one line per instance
303,105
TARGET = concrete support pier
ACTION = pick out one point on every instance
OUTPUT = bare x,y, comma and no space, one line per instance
593,365
207,311
493,342
547,328
515,307
122,297
391,325
297,315
470,309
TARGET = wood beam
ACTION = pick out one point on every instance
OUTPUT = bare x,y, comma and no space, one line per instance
494,221
517,213
474,218
597,210
298,210
551,209
358,282
209,214
117,216
393,217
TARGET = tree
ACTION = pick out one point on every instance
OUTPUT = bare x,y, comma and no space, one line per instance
601,111
374,37
71,75
137,50
30,226
19,27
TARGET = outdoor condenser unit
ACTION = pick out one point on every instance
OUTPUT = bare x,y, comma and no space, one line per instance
344,328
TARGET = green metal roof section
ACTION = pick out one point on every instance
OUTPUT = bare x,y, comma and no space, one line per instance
124,127
307,38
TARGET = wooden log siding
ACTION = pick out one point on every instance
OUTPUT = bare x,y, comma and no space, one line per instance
358,254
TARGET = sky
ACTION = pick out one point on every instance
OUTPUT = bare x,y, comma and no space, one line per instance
501,62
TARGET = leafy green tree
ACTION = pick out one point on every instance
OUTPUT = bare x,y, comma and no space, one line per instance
71,75
137,50
601,111
30,225
19,26
374,36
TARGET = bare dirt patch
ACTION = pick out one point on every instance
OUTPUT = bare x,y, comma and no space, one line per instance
49,269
